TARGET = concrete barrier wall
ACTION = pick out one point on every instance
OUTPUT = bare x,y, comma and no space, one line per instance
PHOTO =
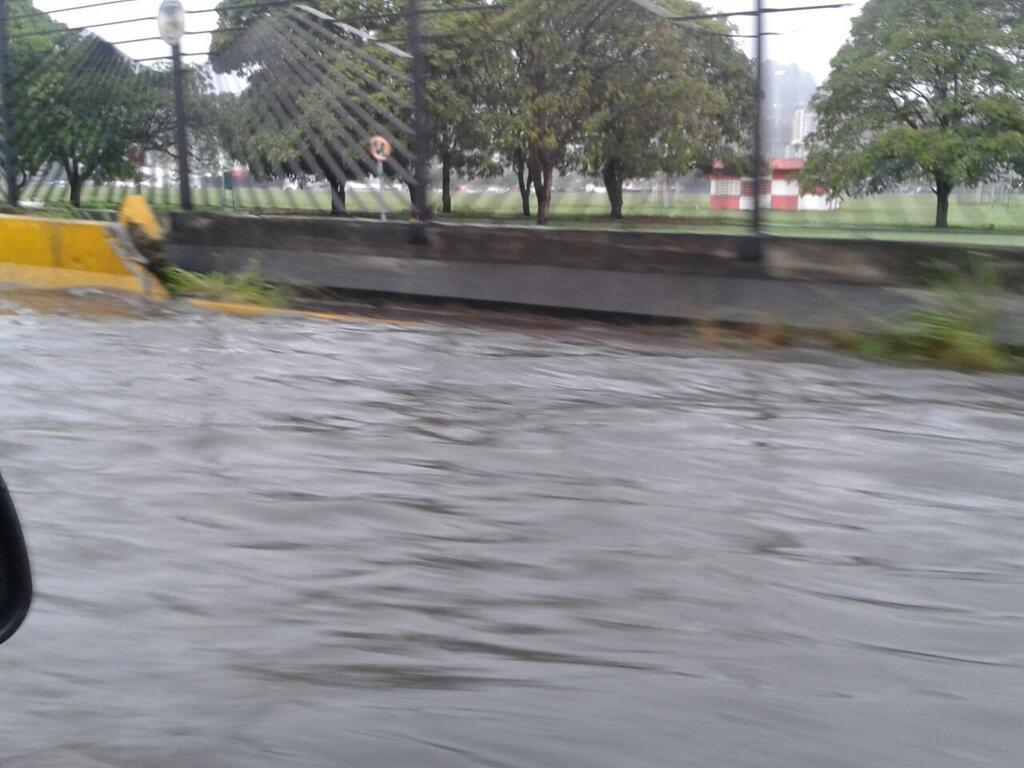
58,253
868,262
809,283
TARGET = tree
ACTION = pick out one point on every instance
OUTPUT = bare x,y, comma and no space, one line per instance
608,87
88,141
80,104
923,89
319,70
539,64
454,98
669,99
315,92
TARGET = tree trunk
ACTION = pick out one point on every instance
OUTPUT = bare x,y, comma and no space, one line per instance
524,183
612,174
943,189
75,184
446,182
338,206
542,183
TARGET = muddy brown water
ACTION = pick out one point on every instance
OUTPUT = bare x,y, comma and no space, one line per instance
289,542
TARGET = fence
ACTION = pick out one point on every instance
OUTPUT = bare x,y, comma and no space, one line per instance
666,114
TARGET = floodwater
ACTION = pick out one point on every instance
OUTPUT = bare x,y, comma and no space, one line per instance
292,542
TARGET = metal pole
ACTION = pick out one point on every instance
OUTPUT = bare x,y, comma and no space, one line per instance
758,108
753,250
420,142
180,136
380,190
7,110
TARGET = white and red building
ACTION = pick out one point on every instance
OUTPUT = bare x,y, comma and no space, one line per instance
782,192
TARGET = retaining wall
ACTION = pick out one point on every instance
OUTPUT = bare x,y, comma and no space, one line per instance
804,282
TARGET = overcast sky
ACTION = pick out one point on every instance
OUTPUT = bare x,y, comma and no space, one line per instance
806,38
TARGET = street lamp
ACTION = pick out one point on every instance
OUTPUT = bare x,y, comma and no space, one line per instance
170,21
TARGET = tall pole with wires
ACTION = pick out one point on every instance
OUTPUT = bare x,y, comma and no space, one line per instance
420,141
10,153
757,157
753,248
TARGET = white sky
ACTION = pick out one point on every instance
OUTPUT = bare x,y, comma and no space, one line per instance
135,9
808,38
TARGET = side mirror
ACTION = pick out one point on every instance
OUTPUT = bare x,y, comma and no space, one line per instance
15,574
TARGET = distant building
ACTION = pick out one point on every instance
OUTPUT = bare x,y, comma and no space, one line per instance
736,193
788,89
782,192
804,123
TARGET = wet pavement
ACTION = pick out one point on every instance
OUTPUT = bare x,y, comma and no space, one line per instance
289,542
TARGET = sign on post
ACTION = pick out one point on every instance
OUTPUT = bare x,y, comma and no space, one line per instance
380,150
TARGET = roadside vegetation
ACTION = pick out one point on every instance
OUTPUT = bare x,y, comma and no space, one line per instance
241,288
958,331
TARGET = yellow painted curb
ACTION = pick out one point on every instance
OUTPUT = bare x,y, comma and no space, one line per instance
256,310
66,253
135,210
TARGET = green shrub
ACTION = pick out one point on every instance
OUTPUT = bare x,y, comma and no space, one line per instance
959,331
241,287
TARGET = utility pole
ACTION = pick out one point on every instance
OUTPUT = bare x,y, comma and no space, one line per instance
419,117
754,250
10,154
180,135
758,153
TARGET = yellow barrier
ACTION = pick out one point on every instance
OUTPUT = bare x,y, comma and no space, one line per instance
135,211
65,253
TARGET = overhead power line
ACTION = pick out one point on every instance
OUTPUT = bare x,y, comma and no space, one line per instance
728,15
86,28
39,12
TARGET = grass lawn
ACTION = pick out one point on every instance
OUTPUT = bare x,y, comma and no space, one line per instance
884,216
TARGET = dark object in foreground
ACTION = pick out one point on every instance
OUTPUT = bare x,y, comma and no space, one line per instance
15,574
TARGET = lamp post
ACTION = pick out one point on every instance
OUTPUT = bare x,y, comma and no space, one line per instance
171,23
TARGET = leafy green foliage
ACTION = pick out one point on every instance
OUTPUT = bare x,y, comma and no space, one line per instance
668,99
545,84
80,104
315,94
608,87
928,89
454,96
959,332
242,288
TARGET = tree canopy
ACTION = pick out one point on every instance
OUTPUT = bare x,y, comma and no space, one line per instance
924,89
669,99
608,87
80,104
541,84
599,86
315,92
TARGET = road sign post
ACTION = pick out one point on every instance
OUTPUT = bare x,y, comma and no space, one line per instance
380,150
